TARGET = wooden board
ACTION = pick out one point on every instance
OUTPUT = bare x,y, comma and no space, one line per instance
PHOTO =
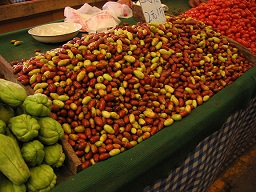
72,162
6,71
32,7
249,55
37,12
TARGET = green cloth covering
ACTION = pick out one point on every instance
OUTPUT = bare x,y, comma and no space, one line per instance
155,157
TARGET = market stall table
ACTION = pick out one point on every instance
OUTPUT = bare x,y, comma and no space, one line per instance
186,156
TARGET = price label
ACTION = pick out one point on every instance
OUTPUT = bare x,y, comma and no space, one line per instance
153,11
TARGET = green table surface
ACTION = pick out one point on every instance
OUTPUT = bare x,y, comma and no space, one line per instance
152,159
29,45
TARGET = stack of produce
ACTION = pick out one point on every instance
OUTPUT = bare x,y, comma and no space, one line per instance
29,148
111,91
234,18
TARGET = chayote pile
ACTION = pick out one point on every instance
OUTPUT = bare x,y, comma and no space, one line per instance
29,148
2,127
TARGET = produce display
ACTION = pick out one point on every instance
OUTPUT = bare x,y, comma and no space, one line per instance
29,148
234,18
111,91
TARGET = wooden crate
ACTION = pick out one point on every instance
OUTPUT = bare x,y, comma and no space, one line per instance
72,162
249,55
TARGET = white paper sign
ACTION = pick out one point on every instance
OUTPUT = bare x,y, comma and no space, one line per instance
153,11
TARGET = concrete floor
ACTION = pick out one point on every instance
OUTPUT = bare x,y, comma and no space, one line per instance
240,176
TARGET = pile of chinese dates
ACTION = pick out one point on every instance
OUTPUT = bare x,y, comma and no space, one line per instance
111,91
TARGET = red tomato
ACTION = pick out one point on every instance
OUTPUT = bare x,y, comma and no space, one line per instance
212,17
242,6
243,13
253,23
217,21
245,36
233,18
238,35
253,8
247,11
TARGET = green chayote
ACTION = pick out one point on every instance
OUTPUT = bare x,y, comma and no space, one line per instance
33,153
10,134
24,127
12,163
7,186
37,105
50,130
42,178
54,155
12,93
19,110
2,127
6,112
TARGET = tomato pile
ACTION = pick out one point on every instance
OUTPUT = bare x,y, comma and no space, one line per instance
235,19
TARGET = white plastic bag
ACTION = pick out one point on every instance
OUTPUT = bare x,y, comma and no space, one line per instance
92,19
120,10
101,22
